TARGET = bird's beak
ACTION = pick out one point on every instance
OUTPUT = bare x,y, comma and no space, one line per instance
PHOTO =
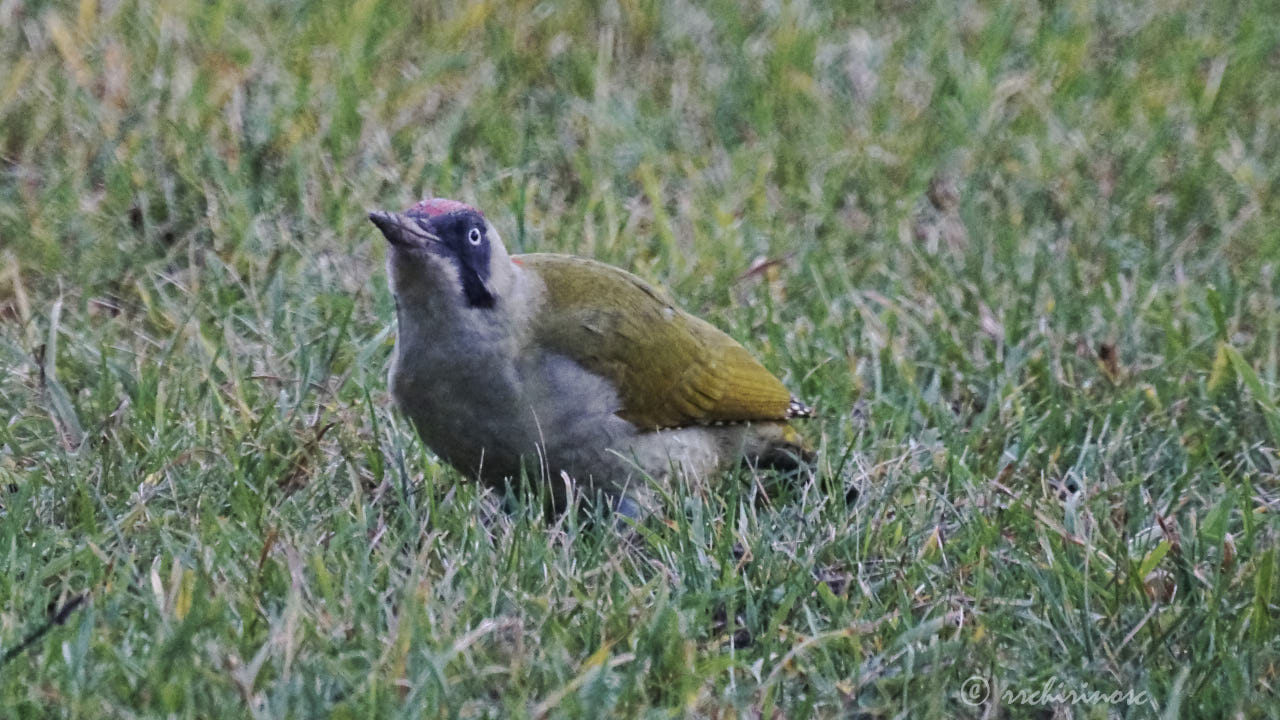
403,231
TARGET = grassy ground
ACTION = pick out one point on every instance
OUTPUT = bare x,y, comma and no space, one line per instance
1023,257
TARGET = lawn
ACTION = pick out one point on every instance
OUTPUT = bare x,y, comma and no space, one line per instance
1022,258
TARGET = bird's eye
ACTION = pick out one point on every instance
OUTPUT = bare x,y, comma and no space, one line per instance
474,236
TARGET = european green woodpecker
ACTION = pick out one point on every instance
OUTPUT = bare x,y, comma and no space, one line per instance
575,372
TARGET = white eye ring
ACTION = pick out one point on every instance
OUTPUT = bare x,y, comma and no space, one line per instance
474,236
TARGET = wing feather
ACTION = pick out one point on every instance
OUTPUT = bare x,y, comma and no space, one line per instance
670,368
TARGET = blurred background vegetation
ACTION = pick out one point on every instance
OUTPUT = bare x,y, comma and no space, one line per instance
1021,255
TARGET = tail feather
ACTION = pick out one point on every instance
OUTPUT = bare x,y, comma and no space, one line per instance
776,446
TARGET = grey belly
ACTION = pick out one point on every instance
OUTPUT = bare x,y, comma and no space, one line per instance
546,416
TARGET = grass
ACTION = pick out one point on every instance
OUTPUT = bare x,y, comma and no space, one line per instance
1022,256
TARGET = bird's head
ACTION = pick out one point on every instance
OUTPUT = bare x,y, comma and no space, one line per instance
444,252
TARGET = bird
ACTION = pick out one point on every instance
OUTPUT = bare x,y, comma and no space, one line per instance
563,374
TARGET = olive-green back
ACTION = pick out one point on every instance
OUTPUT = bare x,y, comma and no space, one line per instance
670,368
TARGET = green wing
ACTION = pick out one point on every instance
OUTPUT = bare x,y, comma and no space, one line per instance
670,368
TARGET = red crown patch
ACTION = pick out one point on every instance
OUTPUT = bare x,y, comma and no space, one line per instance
435,207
